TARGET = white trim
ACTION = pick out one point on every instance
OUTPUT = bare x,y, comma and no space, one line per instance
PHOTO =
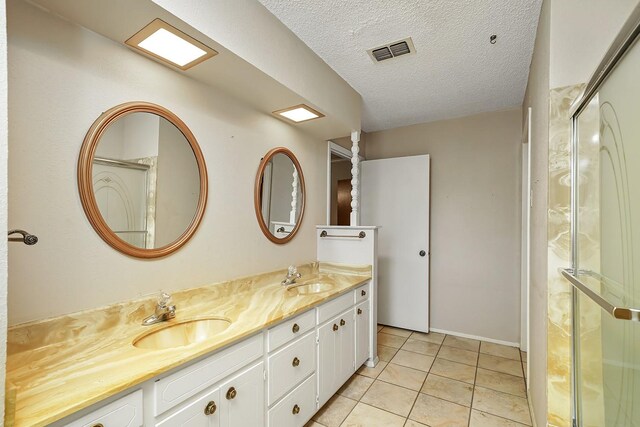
531,412
345,153
476,337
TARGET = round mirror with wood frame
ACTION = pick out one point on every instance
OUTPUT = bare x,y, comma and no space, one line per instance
142,180
279,195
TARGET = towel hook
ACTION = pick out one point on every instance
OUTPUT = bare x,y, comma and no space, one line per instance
27,239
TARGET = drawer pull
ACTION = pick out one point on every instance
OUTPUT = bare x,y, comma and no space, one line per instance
210,409
342,322
295,410
295,328
98,425
335,327
363,292
296,362
359,311
231,393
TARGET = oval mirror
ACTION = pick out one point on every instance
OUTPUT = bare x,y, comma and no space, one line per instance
142,180
279,195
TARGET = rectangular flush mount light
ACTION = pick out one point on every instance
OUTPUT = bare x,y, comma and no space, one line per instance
299,113
168,44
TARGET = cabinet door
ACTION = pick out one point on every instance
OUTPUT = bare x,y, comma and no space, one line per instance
363,324
204,412
328,362
242,399
347,352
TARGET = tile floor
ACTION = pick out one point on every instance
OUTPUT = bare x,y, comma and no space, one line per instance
432,380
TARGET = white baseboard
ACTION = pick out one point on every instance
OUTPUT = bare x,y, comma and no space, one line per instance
533,415
475,337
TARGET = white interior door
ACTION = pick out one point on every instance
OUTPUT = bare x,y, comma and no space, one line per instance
526,232
395,196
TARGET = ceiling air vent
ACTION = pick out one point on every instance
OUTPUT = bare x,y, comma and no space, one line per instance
392,50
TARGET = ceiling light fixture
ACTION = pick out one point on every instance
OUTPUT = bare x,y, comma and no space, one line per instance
170,45
299,113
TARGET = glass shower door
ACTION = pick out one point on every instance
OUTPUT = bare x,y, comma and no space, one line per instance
606,248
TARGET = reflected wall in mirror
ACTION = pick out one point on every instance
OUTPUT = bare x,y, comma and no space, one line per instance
279,195
142,180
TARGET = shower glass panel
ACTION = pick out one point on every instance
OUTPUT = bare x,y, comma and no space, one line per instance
606,247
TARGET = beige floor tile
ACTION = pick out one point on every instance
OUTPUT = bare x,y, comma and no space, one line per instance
403,376
501,382
448,389
313,424
355,387
463,343
458,355
390,340
433,337
333,413
524,369
482,419
454,370
389,397
372,372
409,359
396,331
507,352
436,412
411,423
423,347
523,355
386,353
501,404
500,364
369,416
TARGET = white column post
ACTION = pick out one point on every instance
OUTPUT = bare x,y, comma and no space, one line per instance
355,179
294,197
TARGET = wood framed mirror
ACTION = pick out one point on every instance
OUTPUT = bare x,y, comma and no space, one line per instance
142,180
279,195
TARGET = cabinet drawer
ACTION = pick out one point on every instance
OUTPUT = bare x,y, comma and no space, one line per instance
289,366
179,386
332,308
202,412
126,411
297,407
362,293
290,329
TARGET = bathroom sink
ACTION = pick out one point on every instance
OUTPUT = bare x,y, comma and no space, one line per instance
312,286
182,334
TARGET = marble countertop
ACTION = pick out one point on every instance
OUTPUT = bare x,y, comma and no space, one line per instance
59,366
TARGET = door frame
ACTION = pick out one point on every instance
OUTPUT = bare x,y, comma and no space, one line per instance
345,153
525,267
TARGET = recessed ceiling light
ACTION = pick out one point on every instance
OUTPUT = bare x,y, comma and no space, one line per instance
299,113
167,43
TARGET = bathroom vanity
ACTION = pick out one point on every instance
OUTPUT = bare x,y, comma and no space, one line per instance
280,355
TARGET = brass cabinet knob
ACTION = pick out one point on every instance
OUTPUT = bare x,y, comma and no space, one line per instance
359,311
295,410
335,327
342,322
363,292
231,393
296,362
295,328
210,409
98,425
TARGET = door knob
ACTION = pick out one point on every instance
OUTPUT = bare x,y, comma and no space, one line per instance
422,253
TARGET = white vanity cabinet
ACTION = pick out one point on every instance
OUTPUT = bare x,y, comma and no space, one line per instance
279,377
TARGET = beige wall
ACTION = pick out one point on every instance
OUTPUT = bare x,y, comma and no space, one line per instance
71,268
3,201
537,97
345,142
475,218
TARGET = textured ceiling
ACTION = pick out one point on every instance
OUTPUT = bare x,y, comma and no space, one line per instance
455,71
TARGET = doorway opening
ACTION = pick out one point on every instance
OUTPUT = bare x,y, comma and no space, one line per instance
338,185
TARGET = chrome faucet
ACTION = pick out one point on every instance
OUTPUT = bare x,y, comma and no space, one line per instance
292,276
164,311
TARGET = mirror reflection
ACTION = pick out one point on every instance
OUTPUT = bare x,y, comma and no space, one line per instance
146,180
281,195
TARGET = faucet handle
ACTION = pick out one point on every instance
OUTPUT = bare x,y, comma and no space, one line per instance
292,270
164,300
